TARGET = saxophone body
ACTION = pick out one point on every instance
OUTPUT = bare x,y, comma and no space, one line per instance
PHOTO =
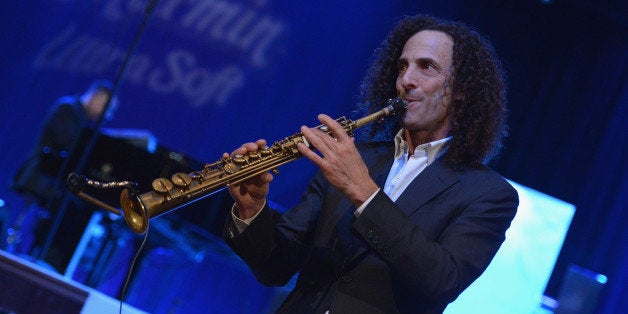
184,188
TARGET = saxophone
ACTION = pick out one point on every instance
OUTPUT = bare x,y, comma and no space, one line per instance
184,188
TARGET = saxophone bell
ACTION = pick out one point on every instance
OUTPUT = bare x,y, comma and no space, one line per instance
135,214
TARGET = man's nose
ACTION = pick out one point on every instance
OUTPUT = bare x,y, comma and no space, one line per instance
408,80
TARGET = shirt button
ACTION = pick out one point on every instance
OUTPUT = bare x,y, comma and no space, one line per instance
369,234
347,279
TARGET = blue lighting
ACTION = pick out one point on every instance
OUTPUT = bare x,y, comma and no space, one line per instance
589,273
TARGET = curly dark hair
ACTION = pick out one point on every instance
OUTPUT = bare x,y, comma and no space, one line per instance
478,108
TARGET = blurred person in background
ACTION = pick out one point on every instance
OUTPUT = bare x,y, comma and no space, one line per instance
40,178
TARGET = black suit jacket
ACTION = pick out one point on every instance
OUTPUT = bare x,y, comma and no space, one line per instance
414,255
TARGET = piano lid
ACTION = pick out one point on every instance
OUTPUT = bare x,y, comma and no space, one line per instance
129,155
139,137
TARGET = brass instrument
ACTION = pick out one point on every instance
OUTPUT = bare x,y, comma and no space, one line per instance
182,188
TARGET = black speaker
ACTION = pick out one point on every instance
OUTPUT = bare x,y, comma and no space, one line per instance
28,289
579,291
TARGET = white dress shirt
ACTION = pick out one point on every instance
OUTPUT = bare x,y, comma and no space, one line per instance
405,169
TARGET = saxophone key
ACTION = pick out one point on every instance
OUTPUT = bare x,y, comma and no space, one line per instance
265,151
230,168
181,180
162,185
239,159
197,176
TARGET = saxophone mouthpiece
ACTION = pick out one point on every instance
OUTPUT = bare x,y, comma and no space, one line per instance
397,104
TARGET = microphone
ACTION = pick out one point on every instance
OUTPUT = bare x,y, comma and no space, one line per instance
76,182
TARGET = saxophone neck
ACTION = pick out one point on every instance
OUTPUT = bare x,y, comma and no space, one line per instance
394,105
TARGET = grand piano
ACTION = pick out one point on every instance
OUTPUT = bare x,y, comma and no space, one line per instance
87,239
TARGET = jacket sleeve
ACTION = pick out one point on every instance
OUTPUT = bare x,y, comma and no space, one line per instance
275,245
440,265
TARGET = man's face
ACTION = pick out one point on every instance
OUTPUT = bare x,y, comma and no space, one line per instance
425,69
96,105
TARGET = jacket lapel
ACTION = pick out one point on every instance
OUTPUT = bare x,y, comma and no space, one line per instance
429,183
379,173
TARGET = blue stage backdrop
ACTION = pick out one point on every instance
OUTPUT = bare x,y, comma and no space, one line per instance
207,75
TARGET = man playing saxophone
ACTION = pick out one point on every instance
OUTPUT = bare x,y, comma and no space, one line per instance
396,226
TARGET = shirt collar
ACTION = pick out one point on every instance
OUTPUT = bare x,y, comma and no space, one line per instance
433,150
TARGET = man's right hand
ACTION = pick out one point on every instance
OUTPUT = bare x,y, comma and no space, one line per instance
250,195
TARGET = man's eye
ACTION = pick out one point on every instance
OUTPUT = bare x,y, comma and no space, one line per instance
402,67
